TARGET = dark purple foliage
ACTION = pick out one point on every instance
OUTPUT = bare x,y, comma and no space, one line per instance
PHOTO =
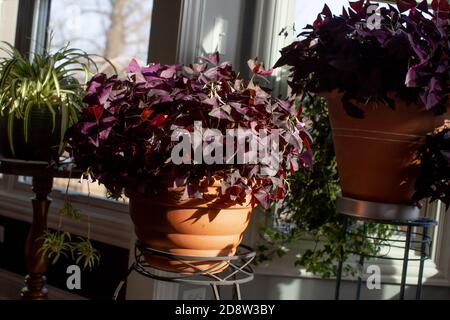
123,137
408,55
434,180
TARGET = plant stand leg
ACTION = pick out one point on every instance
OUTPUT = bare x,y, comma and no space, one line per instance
423,257
405,262
36,262
237,292
361,265
123,282
216,292
341,263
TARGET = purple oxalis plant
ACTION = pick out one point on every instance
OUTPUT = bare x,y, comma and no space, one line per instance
123,137
408,55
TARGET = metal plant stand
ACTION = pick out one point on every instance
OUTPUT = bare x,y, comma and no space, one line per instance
237,272
412,235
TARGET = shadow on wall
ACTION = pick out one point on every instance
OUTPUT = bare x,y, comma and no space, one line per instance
267,287
283,288
428,292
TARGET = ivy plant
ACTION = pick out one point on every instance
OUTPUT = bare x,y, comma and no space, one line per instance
309,210
433,182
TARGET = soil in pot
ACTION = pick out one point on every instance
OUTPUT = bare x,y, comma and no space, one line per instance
42,142
376,155
195,227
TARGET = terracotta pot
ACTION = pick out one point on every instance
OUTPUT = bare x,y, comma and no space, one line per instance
202,228
376,155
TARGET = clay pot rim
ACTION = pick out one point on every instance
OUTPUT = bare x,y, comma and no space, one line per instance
391,94
212,200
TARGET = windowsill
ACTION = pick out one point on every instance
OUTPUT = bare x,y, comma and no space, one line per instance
390,270
110,222
436,270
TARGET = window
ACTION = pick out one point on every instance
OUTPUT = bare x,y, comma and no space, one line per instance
115,29
306,11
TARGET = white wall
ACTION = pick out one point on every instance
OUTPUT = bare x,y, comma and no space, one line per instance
8,19
227,14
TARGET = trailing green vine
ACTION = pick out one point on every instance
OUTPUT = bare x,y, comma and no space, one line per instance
309,211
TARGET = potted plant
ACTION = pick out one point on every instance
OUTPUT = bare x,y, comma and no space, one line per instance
386,85
180,142
39,99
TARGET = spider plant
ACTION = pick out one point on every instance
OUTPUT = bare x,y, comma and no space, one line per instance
49,79
57,243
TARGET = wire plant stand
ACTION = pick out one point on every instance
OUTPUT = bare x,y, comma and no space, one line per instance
237,269
411,236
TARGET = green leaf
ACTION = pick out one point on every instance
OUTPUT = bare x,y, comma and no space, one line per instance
55,244
12,89
64,124
86,253
56,81
69,211
6,70
11,119
26,120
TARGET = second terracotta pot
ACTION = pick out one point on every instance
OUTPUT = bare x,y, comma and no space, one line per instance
376,156
197,228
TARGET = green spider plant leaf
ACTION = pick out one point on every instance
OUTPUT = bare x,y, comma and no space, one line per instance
74,114
56,81
6,71
13,89
47,77
69,211
10,125
64,124
24,88
86,253
26,120
56,244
